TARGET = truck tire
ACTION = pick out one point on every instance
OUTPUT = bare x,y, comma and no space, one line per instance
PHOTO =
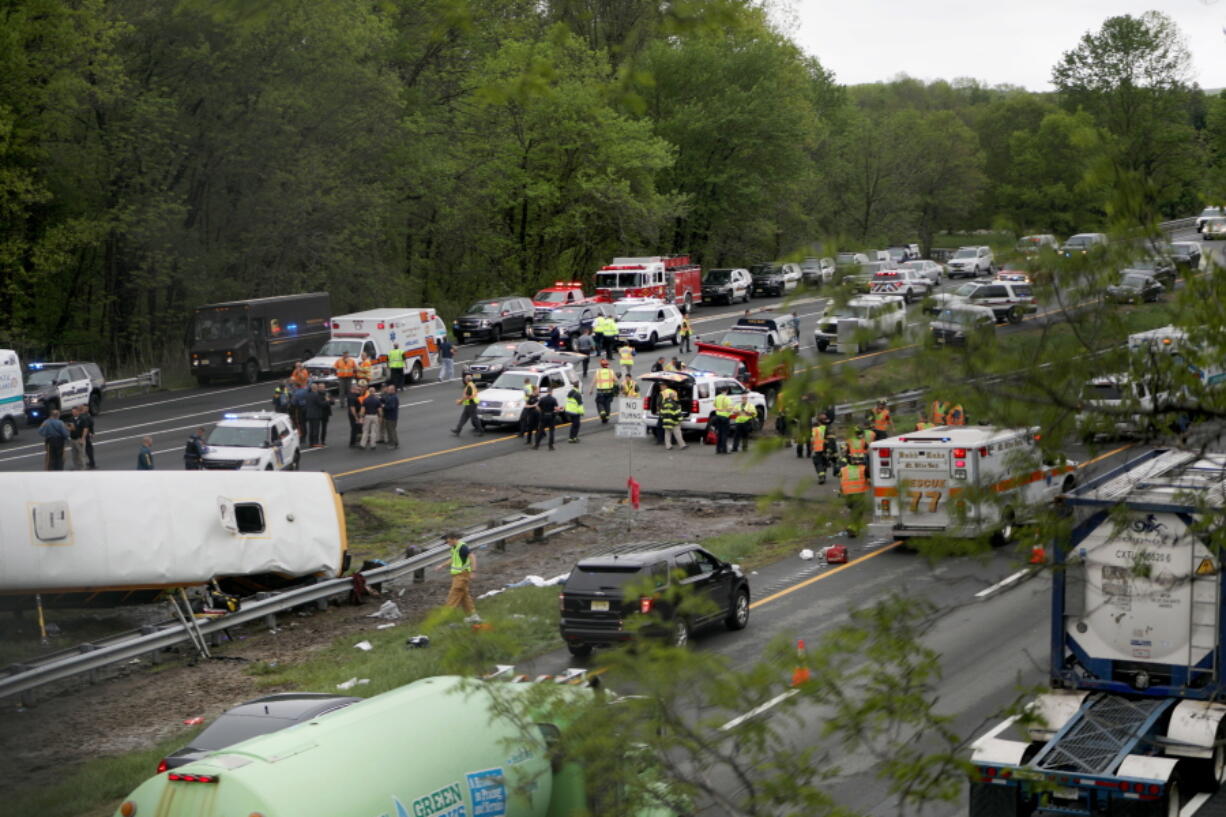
689,303
988,800
415,372
251,372
8,430
1005,533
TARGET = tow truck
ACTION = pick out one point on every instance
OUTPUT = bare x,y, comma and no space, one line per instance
673,279
743,364
1133,723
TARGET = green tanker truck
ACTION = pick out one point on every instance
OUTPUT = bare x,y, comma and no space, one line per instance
432,748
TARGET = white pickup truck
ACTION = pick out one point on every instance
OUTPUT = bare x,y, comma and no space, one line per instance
911,284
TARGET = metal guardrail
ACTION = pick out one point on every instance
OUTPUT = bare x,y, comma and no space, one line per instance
150,379
1177,224
90,658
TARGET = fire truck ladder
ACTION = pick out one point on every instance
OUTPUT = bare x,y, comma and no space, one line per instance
1103,732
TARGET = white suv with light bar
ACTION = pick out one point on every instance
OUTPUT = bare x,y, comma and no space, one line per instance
253,441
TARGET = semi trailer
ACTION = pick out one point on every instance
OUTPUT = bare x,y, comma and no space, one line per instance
1133,723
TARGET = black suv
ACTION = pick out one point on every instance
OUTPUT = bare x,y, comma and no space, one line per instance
493,318
603,594
571,320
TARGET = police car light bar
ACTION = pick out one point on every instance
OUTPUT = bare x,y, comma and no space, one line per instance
229,416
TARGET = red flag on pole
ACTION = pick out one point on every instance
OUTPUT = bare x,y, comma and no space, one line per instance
633,485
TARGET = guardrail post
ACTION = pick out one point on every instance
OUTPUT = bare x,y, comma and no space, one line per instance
270,621
501,544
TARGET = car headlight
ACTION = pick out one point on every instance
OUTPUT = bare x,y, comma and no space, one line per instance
251,461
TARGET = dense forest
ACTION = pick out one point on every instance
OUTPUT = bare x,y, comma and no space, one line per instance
422,152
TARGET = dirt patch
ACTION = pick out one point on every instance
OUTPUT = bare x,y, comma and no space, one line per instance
141,704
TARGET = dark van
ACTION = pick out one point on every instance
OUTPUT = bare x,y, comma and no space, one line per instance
242,339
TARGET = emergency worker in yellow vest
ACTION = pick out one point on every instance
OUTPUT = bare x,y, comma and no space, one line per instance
604,384
463,563
685,334
922,423
853,485
857,447
721,416
468,400
395,365
625,359
743,415
365,369
629,387
937,416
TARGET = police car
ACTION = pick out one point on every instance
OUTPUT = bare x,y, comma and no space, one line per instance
253,441
503,402
62,386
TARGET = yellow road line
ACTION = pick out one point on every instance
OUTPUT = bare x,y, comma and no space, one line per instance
430,454
785,591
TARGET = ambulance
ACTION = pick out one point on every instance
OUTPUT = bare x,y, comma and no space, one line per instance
962,481
12,391
373,332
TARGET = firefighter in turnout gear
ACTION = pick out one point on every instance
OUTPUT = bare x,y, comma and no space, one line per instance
605,387
670,419
857,446
955,416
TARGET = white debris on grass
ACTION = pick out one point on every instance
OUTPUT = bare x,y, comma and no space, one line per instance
806,554
387,611
364,646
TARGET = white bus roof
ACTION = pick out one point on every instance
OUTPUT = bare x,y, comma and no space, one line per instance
957,436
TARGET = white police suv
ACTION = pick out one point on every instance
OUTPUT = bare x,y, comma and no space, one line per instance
253,441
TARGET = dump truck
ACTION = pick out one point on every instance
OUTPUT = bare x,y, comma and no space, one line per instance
743,364
438,747
1133,723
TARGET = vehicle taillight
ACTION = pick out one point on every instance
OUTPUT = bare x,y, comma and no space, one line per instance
336,325
380,325
884,453
983,452
193,778
162,766
645,604
646,403
959,463
959,452
561,601
694,407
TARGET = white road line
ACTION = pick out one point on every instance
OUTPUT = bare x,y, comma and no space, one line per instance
1003,583
758,710
1193,805
177,399
156,422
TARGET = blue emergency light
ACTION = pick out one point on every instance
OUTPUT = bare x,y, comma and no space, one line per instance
229,416
36,366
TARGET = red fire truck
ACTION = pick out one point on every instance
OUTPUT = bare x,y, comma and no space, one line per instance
671,278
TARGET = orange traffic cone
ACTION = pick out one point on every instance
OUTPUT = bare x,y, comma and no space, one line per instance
1038,556
801,674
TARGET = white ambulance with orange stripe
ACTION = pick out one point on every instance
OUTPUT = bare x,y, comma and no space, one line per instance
417,331
962,481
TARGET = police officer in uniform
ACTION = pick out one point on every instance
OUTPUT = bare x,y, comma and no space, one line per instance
574,411
548,406
194,451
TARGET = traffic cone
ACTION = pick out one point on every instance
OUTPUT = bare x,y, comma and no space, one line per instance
1038,555
801,674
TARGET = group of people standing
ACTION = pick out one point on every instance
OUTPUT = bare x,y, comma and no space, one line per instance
73,432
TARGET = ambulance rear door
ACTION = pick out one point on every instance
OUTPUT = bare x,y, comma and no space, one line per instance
924,474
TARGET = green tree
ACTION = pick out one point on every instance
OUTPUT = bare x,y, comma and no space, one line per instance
1131,76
